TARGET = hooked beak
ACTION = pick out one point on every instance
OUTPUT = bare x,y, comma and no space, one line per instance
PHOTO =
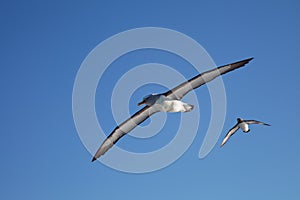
141,103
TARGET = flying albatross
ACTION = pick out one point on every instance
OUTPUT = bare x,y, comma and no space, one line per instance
169,101
244,125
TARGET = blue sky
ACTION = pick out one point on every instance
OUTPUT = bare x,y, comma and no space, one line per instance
43,45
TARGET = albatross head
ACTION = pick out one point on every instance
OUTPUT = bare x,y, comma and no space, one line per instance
149,99
239,120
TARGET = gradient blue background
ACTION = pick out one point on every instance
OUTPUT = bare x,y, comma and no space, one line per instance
43,45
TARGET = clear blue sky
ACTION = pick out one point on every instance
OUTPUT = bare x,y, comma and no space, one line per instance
42,47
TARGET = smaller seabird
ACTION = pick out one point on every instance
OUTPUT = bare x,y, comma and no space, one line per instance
244,125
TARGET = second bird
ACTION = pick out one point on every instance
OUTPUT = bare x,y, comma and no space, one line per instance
244,125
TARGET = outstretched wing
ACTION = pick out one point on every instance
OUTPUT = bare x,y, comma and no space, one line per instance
182,89
229,134
255,122
124,128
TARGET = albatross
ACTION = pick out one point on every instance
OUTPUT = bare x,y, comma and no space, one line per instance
169,101
244,125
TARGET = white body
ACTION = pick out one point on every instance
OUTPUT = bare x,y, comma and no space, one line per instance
166,105
244,126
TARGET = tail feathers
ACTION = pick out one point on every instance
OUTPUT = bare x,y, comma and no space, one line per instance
188,107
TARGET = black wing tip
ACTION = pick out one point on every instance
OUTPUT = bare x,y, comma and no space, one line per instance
249,59
94,158
246,60
223,143
240,63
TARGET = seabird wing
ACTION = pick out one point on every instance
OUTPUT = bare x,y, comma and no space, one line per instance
229,134
124,128
182,89
255,122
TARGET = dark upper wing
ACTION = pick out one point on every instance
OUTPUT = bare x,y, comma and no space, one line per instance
255,122
124,128
182,89
229,134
